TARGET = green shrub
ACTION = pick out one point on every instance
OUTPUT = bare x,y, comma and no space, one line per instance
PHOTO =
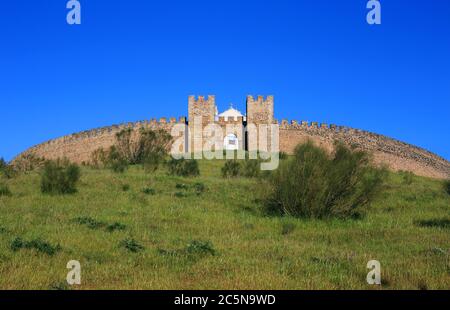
251,168
115,226
4,190
198,247
131,245
407,177
231,169
195,249
27,162
94,224
283,155
199,188
180,195
149,191
125,187
89,222
3,163
447,186
6,171
147,147
37,244
183,167
99,158
59,177
115,161
181,186
315,185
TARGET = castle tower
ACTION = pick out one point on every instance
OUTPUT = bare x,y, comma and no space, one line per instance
206,108
199,110
260,111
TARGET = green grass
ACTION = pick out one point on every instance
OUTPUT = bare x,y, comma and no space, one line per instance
214,236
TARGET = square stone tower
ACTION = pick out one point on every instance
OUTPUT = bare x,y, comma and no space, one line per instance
201,110
203,107
260,111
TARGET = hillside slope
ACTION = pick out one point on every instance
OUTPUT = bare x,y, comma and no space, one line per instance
216,239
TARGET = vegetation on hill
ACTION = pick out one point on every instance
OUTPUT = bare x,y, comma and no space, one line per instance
147,147
313,184
59,177
159,230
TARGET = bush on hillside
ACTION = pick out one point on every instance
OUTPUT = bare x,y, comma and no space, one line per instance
183,167
313,184
59,177
283,155
407,177
147,147
3,164
447,186
4,190
231,169
6,171
28,162
251,168
99,158
115,161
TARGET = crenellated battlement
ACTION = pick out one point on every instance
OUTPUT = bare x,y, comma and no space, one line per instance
260,100
202,100
235,121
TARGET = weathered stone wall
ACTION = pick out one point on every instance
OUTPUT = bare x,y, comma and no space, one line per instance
78,147
395,154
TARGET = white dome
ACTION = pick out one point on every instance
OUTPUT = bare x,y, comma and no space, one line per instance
231,113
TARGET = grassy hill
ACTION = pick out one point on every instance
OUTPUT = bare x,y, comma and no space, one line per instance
141,231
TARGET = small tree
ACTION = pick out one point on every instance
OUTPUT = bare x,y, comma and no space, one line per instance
99,158
27,162
6,170
59,177
147,147
3,164
115,161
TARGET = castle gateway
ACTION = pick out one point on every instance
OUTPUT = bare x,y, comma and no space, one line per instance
229,127
202,112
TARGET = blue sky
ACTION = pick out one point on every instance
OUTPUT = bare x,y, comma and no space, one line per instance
134,60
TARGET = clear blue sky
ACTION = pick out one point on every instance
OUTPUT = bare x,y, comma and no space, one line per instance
134,60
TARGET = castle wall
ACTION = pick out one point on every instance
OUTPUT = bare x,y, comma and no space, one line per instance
396,155
78,147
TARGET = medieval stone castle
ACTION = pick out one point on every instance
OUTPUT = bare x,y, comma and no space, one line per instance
396,155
